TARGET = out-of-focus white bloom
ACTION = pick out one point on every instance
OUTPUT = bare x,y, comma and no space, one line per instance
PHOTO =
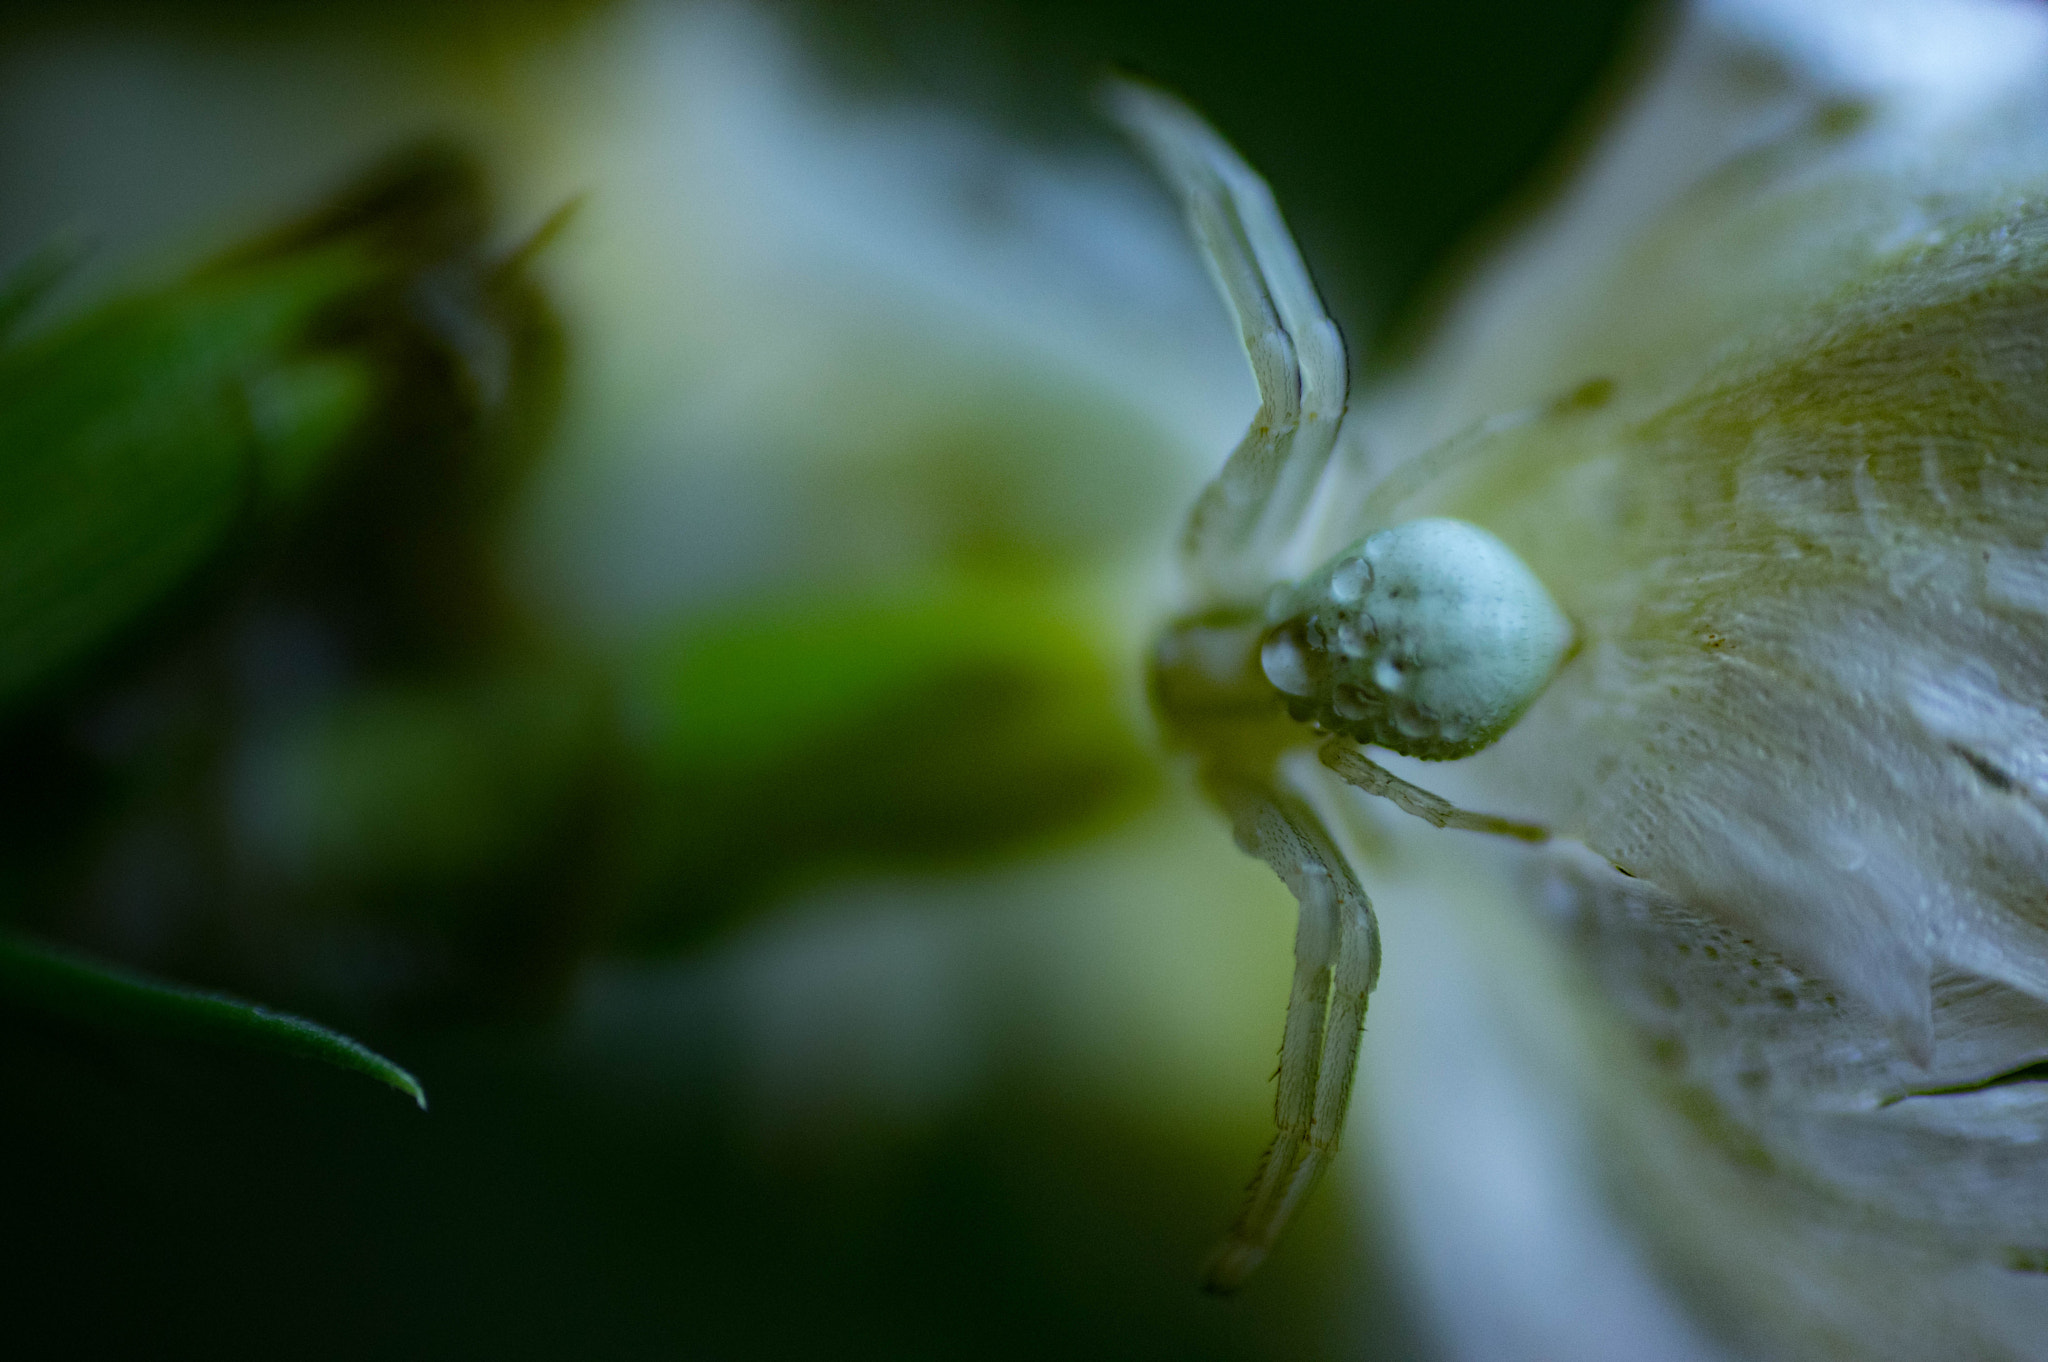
1764,400
800,311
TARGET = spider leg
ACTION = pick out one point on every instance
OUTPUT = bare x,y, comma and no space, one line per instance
1336,963
1261,498
1343,756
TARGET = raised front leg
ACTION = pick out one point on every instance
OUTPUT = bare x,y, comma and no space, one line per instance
1261,498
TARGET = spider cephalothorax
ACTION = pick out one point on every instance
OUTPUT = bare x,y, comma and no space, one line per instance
1428,638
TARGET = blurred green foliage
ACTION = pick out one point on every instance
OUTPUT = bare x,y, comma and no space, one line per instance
835,734
178,466
139,437
273,719
253,621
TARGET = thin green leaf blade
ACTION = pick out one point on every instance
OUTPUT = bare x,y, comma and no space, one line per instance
57,982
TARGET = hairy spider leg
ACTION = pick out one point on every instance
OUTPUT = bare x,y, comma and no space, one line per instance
1261,500
1344,756
1336,964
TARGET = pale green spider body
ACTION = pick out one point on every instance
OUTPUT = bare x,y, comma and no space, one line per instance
1428,638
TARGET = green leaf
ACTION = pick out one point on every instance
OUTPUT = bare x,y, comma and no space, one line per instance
767,682
59,983
895,728
136,439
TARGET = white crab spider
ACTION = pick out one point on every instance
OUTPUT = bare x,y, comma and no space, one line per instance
1428,638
